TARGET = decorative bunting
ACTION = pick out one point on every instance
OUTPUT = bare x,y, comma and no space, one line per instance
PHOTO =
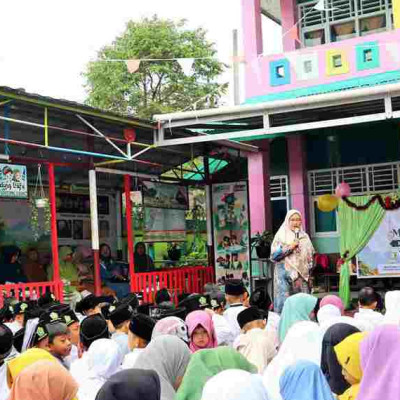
132,65
320,6
186,65
294,34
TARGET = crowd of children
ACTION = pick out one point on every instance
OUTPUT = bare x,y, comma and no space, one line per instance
212,346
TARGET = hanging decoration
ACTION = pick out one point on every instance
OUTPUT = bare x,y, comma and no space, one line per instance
132,65
39,201
387,202
327,202
186,64
343,190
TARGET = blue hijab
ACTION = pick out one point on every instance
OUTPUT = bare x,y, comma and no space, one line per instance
296,308
304,381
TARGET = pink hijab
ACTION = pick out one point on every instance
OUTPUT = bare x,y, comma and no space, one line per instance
196,318
334,301
380,354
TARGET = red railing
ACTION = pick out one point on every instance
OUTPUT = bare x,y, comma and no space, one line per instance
24,291
177,281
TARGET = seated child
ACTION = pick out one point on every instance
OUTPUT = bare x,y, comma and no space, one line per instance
367,303
348,355
120,316
201,331
140,331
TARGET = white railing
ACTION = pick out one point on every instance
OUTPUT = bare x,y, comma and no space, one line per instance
363,179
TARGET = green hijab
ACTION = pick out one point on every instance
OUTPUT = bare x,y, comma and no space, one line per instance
68,270
296,308
205,364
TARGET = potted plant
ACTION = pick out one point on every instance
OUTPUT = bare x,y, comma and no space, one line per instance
262,242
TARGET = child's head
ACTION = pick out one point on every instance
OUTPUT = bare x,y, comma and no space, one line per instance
201,330
59,341
348,356
92,328
367,298
218,302
120,316
140,330
234,291
89,305
200,337
252,318
72,321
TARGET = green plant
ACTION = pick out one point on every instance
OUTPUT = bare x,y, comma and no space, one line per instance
264,239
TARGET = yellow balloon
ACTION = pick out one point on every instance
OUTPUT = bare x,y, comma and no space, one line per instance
327,202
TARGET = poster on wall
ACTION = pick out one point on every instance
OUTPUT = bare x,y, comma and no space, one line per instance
164,195
231,230
13,181
164,225
380,258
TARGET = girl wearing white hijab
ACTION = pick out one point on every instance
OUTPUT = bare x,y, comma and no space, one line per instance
242,385
292,251
104,359
302,342
392,305
328,313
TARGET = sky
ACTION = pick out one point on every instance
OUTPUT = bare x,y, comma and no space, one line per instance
46,44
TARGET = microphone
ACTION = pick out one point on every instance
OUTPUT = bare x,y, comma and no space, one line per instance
297,233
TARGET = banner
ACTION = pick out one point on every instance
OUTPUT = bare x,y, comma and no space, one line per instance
164,225
231,230
163,195
381,257
13,181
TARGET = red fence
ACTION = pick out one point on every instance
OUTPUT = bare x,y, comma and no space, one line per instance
177,281
23,291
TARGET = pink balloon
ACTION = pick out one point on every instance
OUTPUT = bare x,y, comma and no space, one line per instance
343,190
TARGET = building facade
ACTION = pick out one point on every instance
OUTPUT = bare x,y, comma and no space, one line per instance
329,47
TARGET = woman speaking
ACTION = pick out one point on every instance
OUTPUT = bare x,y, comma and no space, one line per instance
292,252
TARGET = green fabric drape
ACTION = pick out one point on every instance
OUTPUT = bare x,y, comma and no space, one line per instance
356,229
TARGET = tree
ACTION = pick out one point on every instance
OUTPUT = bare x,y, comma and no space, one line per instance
158,86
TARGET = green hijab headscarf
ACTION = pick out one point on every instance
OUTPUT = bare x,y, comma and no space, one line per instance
296,308
205,364
68,269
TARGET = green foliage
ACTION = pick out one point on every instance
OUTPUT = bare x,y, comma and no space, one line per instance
158,86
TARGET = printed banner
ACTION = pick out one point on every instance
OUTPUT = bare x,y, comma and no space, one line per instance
164,225
163,195
381,256
13,181
231,230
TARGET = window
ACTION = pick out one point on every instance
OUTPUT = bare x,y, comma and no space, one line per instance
308,66
367,55
280,71
343,20
324,221
337,61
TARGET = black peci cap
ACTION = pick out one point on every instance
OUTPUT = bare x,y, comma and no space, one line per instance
6,341
249,315
217,300
195,302
142,326
120,313
234,287
91,301
92,328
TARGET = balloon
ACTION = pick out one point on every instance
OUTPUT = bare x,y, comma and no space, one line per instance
327,202
343,190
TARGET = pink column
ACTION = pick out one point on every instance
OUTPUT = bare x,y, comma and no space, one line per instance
252,39
259,194
297,176
289,18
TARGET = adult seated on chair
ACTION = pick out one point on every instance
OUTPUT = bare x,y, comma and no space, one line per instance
11,269
143,262
111,274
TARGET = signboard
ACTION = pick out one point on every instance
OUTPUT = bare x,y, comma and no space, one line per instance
381,256
231,229
80,204
164,225
13,181
163,195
